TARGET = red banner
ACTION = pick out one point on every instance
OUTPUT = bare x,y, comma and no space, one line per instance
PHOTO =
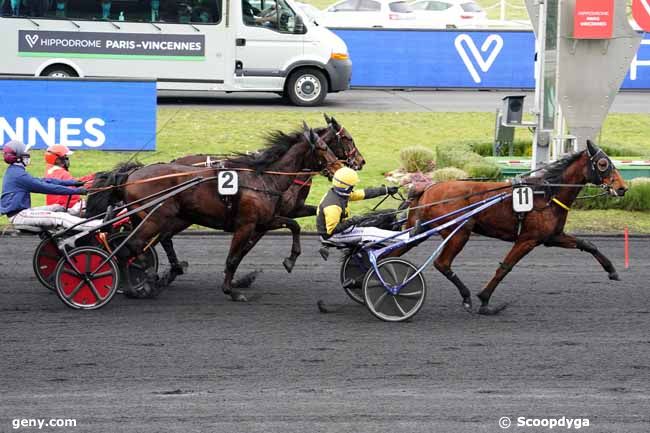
593,19
641,13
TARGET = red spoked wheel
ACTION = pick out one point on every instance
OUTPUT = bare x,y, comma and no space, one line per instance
88,281
46,257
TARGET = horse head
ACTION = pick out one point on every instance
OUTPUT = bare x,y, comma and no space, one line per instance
601,171
343,144
324,159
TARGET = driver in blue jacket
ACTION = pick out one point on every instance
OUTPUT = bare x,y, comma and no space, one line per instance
17,184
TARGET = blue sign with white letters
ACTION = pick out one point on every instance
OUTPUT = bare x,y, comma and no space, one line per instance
456,59
81,114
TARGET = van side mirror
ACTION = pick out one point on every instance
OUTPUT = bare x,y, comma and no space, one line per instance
299,27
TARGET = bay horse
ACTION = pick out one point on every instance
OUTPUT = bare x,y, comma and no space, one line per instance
561,182
252,210
292,205
337,138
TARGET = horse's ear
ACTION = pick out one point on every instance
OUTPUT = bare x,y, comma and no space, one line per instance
305,127
313,138
327,118
592,148
334,122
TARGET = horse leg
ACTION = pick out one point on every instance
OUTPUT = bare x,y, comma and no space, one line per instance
304,211
284,222
248,279
564,240
237,252
518,252
443,263
176,267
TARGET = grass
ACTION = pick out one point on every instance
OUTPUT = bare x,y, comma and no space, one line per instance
379,136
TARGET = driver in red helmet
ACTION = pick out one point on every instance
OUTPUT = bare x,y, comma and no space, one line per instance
57,160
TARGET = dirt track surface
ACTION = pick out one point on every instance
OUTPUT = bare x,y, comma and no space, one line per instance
571,344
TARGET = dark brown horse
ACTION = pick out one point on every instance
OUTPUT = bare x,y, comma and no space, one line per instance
337,138
544,225
292,205
251,211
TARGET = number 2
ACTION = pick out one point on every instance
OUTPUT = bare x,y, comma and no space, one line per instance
228,178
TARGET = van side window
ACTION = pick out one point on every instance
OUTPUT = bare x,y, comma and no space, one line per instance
369,6
142,11
346,6
271,14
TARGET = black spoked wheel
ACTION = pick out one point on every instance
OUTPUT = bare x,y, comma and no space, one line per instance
88,281
353,270
394,307
46,257
133,271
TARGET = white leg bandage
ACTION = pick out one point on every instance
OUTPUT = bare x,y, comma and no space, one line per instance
45,217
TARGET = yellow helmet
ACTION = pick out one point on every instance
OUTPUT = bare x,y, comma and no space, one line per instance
345,178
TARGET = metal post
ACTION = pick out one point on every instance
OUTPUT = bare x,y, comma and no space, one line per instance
503,10
540,45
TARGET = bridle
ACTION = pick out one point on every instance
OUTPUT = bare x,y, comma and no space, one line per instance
324,166
350,153
600,168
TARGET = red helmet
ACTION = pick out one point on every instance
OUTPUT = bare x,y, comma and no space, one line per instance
14,151
55,152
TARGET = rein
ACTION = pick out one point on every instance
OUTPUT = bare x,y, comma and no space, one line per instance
173,175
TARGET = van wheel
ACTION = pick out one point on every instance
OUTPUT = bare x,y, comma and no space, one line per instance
307,87
59,71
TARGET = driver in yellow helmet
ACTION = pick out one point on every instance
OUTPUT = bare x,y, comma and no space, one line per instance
333,210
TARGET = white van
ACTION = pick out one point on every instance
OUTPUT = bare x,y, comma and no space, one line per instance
190,45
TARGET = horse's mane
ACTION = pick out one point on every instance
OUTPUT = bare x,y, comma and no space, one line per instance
276,144
99,201
554,173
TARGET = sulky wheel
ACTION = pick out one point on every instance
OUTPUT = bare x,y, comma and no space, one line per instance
82,283
354,268
394,307
46,257
133,271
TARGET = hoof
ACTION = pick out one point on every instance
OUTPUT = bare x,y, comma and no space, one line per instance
467,305
487,311
614,276
226,290
288,264
180,268
246,281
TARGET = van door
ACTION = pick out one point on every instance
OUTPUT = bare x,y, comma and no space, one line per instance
266,44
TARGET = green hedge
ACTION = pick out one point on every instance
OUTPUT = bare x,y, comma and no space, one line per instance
525,148
636,199
461,155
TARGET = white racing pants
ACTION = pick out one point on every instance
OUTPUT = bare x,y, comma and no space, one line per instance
356,235
50,217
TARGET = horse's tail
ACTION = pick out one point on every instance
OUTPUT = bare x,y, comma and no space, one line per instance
100,200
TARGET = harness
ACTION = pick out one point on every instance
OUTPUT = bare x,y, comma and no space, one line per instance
349,153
